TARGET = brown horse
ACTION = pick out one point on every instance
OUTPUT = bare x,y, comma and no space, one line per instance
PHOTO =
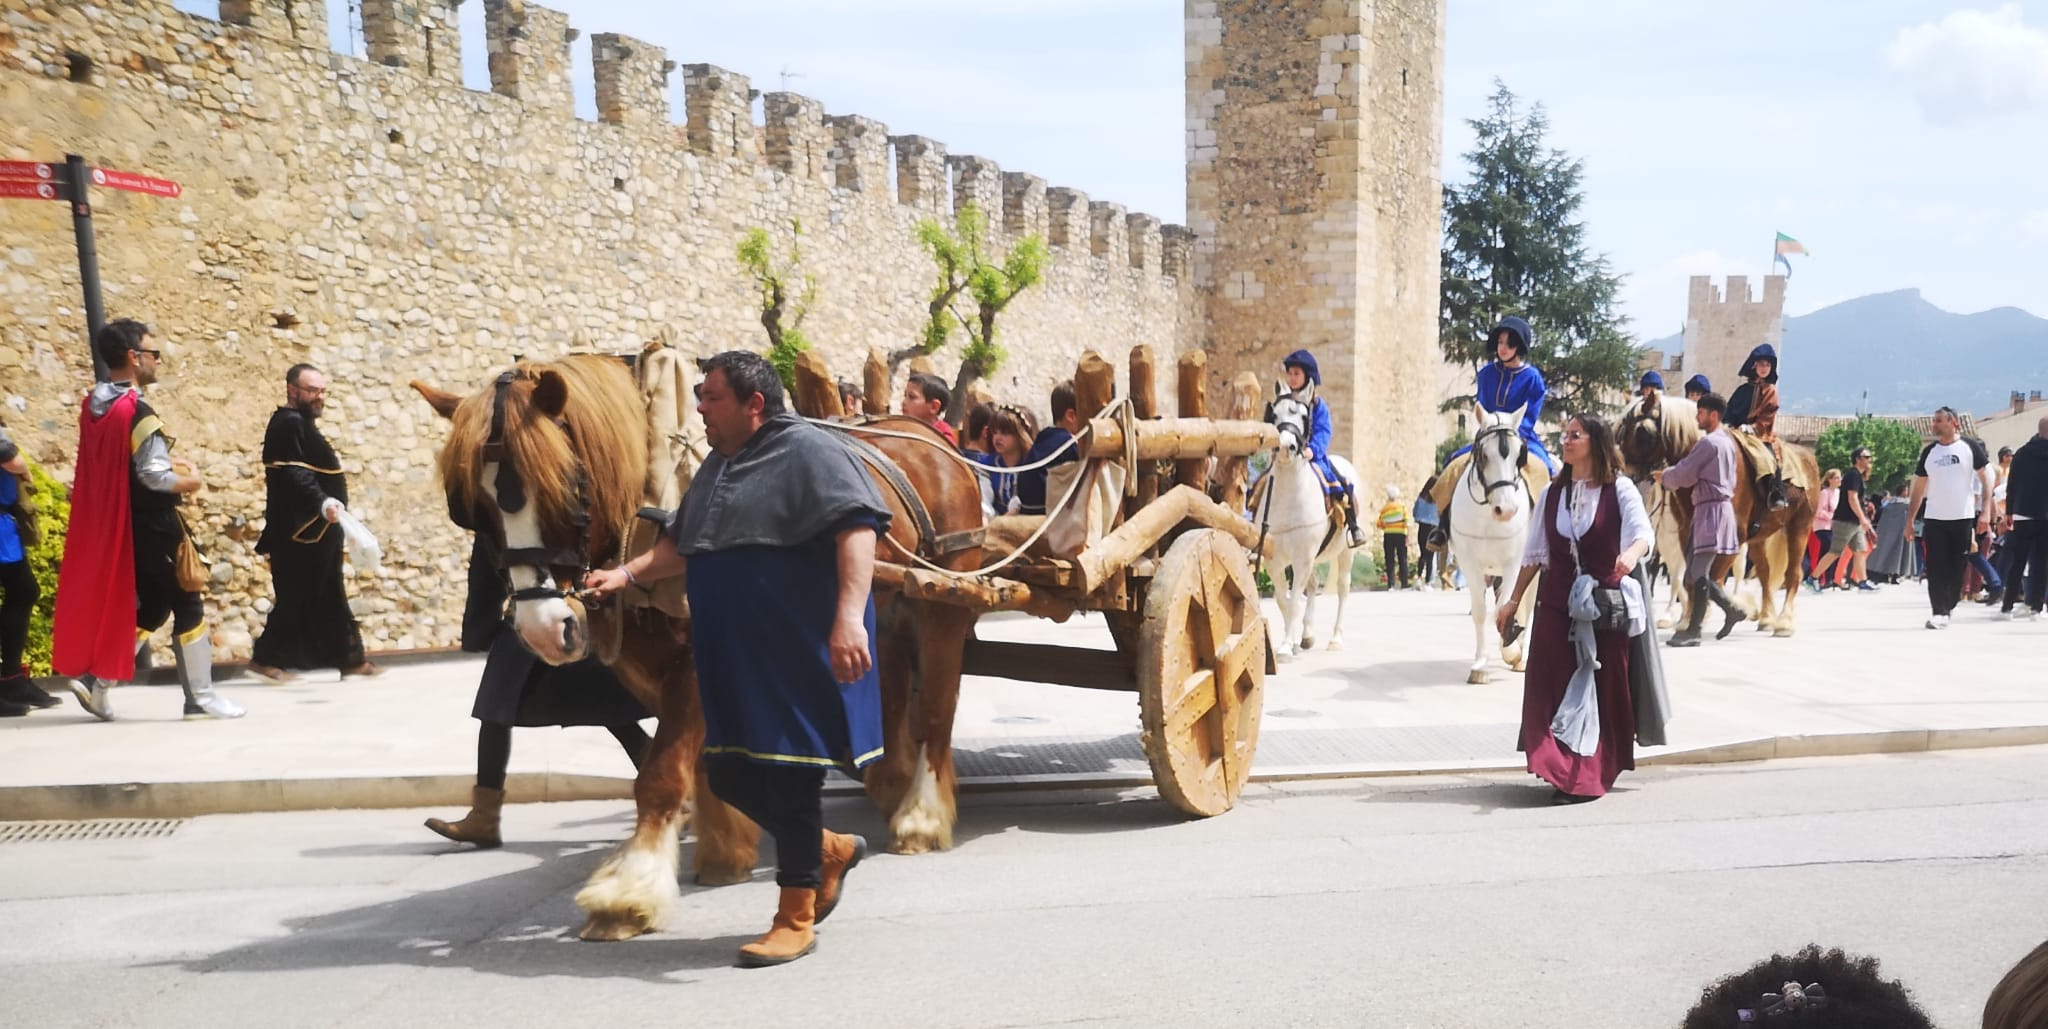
570,434
1654,436
557,456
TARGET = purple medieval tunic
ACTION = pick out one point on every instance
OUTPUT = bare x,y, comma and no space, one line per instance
1552,658
1710,470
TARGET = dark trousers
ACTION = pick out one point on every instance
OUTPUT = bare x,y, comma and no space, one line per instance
786,801
1983,567
157,593
494,749
18,584
1426,565
1950,542
1393,548
2026,562
311,626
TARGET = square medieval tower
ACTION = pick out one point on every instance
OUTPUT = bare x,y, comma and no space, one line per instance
1315,194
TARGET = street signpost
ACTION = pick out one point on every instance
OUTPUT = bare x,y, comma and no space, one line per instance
42,180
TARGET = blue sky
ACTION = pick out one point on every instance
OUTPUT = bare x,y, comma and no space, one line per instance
1904,141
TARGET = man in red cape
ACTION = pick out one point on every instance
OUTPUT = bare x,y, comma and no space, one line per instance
119,578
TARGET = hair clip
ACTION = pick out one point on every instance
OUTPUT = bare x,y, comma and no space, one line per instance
1791,997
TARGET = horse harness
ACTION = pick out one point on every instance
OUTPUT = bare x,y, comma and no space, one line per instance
511,496
931,545
1521,458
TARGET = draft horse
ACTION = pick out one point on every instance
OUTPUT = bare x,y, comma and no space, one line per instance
555,453
1655,436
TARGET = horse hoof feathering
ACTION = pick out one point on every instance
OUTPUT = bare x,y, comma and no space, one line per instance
924,823
634,891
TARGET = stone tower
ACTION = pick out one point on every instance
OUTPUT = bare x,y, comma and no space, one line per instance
1721,329
1315,197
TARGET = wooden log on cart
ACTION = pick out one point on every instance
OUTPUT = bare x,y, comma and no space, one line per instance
1136,537
1193,394
981,593
1185,438
817,393
874,383
1233,471
1145,406
1094,385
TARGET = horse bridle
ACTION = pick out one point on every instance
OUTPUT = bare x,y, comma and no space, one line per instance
1521,458
511,499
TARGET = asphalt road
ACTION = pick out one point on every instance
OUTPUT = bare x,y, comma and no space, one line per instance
1448,901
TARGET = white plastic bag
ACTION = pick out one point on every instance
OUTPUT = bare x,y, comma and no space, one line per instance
363,551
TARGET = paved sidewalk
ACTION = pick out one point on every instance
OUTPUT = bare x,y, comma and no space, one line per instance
1862,676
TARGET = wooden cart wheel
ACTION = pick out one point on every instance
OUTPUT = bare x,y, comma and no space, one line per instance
1201,666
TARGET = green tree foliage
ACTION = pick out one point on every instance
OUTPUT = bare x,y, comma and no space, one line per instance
785,296
1514,244
53,504
967,270
1894,448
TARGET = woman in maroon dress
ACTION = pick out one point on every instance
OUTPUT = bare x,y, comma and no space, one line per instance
1591,501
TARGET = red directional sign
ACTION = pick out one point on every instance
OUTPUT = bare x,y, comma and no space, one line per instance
32,170
28,190
135,183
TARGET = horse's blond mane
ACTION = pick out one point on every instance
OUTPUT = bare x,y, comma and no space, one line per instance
605,418
1677,428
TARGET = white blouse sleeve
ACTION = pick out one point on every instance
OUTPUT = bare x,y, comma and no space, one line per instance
1635,520
1537,550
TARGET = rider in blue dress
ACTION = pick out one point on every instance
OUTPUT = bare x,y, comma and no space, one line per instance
1304,378
1506,384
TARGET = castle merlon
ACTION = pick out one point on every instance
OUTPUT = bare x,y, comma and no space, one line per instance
632,80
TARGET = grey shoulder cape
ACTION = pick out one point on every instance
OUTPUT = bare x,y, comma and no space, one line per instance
791,482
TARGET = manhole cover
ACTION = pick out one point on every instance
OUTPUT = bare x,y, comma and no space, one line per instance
99,829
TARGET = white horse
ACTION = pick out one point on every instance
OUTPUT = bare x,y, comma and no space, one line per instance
1490,512
1302,529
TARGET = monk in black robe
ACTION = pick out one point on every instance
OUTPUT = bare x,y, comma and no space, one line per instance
305,493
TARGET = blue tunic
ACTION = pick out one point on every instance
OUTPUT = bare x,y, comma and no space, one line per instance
1319,433
1501,391
1030,486
1002,486
761,619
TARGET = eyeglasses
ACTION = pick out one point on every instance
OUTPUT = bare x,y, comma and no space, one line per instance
314,393
1575,435
158,354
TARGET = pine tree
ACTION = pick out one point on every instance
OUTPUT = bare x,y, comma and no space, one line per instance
1514,244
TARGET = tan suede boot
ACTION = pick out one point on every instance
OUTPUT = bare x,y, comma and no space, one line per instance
790,937
480,826
842,852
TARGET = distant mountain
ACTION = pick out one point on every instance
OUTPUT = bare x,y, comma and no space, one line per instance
1911,355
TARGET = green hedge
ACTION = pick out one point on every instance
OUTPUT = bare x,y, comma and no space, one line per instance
54,503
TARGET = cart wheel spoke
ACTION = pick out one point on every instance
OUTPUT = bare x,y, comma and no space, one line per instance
1201,670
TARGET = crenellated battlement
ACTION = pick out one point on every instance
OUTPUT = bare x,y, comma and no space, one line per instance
528,55
1722,327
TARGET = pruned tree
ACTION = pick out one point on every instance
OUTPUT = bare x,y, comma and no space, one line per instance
971,289
1514,243
785,294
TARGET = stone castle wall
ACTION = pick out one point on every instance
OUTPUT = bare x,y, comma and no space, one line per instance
1315,195
385,223
1722,328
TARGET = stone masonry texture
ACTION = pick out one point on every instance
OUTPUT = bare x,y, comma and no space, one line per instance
378,219
1315,195
1721,328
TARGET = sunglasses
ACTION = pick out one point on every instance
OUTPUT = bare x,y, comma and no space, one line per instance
158,354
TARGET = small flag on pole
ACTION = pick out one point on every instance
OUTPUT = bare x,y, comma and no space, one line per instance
1786,245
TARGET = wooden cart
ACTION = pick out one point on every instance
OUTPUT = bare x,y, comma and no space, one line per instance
1169,568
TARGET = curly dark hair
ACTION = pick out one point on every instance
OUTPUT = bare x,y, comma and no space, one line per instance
1858,995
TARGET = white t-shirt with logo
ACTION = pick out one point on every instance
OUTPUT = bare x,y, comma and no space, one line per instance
1951,471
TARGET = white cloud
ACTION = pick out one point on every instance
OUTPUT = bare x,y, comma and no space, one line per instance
1974,63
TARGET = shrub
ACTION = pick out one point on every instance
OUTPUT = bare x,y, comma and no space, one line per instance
54,503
